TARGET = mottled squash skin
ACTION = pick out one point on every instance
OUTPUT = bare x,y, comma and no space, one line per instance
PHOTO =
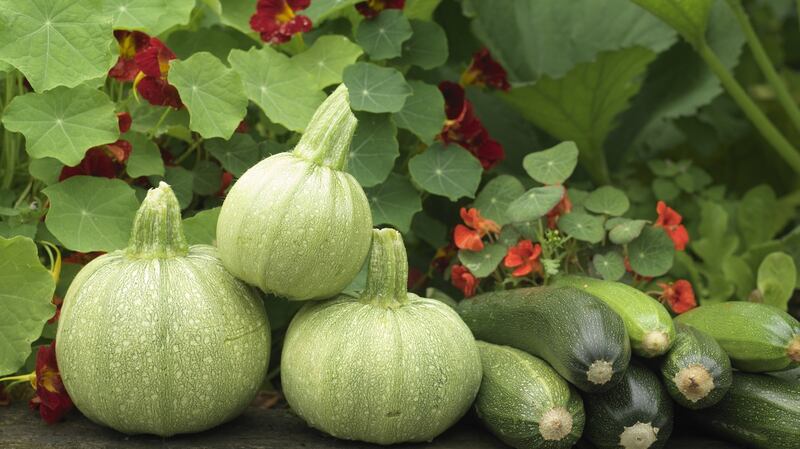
296,224
382,368
161,340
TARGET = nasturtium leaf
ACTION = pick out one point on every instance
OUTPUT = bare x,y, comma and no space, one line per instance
582,226
420,9
237,13
776,279
201,228
145,158
375,89
157,120
429,230
607,200
715,243
423,112
610,265
56,42
179,12
535,203
182,182
373,149
651,253
212,93
427,47
63,123
88,213
217,40
383,36
283,91
509,236
483,263
554,165
237,154
448,171
666,167
325,61
394,202
665,189
625,231
150,16
26,294
687,17
319,10
760,216
739,273
496,195
46,169
15,228
207,178
559,106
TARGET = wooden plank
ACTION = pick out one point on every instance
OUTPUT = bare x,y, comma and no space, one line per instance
21,428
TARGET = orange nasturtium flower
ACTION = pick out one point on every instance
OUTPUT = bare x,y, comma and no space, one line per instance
463,280
524,258
679,295
470,237
670,220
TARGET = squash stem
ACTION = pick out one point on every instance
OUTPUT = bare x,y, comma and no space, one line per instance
794,349
157,228
327,138
387,276
638,436
694,382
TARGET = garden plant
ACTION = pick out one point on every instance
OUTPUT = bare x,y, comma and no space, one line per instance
573,222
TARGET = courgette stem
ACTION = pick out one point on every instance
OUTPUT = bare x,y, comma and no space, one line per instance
638,436
794,349
157,228
694,382
387,275
655,342
600,372
555,424
326,140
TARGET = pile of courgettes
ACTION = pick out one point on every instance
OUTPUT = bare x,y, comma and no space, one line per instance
558,369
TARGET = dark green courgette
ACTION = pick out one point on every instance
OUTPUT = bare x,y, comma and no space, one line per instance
525,403
635,414
696,371
576,333
759,411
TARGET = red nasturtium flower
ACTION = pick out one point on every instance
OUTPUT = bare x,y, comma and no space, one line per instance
151,81
563,207
679,295
371,8
130,43
276,21
57,301
106,160
225,181
670,220
470,237
484,71
524,258
463,280
443,257
51,397
82,258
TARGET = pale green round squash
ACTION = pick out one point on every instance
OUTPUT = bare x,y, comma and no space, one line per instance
385,368
159,338
296,224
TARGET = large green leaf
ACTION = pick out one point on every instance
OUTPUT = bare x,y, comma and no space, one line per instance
237,154
423,113
760,216
651,253
394,202
319,10
373,149
325,61
688,17
375,89
201,229
582,226
482,263
145,158
624,230
495,197
448,171
583,105
607,200
610,266
237,13
534,203
91,214
150,16
715,243
776,279
26,294
427,47
286,93
553,165
212,93
63,123
383,36
217,40
56,42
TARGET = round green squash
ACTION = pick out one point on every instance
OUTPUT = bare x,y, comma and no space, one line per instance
296,224
386,367
159,338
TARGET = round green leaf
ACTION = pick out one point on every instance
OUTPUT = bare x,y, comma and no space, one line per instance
145,158
448,171
26,294
554,165
63,123
325,61
427,47
237,154
495,197
611,266
625,230
212,93
582,226
423,112
394,202
607,200
534,203
373,149
483,263
91,214
375,89
46,169
150,16
201,229
651,254
776,279
207,178
383,36
430,230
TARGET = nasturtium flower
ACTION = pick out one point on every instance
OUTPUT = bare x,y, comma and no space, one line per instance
130,43
484,71
679,295
276,21
670,220
57,301
371,8
79,258
524,258
472,218
563,207
51,398
225,181
151,81
443,256
470,237
463,280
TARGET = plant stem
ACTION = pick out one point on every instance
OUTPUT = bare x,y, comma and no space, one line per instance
154,129
10,149
762,59
757,117
188,151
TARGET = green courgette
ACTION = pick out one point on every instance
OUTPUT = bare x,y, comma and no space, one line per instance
576,333
757,337
759,411
696,371
635,414
525,403
648,323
